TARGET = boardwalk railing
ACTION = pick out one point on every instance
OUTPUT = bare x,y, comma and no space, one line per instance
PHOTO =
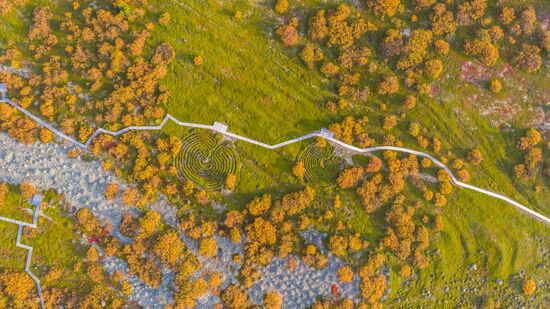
35,201
324,133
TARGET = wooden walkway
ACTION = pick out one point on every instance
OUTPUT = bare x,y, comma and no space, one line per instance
35,201
324,133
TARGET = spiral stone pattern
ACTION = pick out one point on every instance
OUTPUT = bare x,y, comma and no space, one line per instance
321,165
205,161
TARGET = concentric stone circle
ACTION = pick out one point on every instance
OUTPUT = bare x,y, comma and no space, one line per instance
321,165
205,161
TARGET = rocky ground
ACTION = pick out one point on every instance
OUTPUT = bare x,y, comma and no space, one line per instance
83,183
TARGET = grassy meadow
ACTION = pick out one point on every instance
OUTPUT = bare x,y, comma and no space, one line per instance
479,230
262,91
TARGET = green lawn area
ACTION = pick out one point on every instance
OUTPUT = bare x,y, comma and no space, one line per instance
11,257
55,246
493,236
479,229
245,80
260,90
15,207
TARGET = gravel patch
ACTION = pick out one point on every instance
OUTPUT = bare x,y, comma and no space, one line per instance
301,287
144,295
48,166
83,183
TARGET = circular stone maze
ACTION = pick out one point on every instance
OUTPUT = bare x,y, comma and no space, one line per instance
206,161
322,166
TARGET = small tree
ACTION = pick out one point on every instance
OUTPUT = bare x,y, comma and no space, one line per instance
507,15
329,69
475,157
529,286
299,169
230,181
529,58
235,297
438,223
405,271
259,205
92,254
433,68
385,7
46,136
496,86
345,274
130,196
317,26
111,191
410,102
281,6
169,248
441,47
350,177
273,300
150,223
164,18
288,33
27,190
440,200
388,85
463,175
4,189
197,60
208,247
486,52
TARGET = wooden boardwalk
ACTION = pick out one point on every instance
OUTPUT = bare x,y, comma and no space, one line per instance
35,201
324,133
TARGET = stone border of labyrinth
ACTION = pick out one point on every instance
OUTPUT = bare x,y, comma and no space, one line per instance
207,160
321,164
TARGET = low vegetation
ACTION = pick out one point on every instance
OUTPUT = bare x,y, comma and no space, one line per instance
464,81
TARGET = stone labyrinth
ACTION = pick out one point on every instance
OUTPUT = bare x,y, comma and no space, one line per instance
321,165
205,161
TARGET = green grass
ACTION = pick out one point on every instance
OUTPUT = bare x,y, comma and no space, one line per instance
479,229
487,236
55,246
15,207
11,257
245,81
262,91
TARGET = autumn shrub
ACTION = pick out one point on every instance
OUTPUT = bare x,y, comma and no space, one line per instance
169,248
208,247
273,300
345,274
528,58
496,86
235,297
486,52
281,6
288,33
388,85
529,286
27,190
